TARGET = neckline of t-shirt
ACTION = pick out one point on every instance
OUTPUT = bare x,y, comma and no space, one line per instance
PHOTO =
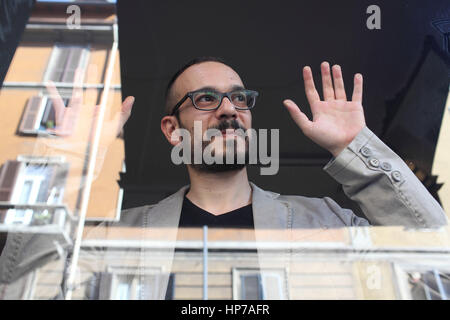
213,215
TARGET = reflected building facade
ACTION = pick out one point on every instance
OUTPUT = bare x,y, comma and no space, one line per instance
42,184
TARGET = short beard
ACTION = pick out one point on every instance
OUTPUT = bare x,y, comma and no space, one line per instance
224,166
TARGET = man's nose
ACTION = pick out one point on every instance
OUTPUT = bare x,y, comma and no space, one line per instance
226,109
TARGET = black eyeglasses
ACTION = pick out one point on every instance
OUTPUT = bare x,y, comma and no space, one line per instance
207,100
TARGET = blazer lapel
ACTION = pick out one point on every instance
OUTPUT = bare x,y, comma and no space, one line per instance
273,223
160,229
166,214
268,212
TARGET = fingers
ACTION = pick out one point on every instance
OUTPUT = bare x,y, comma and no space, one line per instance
77,94
122,117
338,80
332,88
299,117
357,88
90,93
57,102
310,88
327,83
125,112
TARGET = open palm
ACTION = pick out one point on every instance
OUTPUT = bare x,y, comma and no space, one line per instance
336,121
74,124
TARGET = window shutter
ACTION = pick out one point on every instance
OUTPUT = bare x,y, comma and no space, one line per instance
30,115
74,61
105,283
64,61
8,177
58,63
93,287
251,287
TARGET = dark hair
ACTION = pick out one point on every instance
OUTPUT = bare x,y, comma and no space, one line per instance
187,65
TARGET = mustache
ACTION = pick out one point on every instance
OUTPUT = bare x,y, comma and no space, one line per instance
225,124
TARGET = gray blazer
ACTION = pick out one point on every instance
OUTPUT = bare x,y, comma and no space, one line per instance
385,188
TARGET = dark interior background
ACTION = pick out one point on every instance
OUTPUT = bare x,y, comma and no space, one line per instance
405,67
14,15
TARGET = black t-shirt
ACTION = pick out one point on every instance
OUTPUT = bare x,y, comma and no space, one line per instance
194,216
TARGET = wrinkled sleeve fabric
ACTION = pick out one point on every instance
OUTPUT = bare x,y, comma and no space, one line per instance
382,184
346,216
24,252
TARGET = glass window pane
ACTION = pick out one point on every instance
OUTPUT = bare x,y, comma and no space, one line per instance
25,192
250,287
57,65
123,291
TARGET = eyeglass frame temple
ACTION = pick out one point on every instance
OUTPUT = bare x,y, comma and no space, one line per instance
178,105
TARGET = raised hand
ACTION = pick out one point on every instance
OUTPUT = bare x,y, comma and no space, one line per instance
336,121
74,124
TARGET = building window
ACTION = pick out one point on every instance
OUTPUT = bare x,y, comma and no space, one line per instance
39,114
64,61
250,284
423,282
130,284
31,181
429,285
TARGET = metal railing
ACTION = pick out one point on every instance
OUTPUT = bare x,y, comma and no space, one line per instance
44,219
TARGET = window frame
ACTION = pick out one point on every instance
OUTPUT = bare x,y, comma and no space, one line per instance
10,218
401,272
281,275
56,52
134,272
45,99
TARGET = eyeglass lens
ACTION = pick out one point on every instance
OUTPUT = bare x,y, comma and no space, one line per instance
211,99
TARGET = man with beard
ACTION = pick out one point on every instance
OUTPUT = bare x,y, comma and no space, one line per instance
208,92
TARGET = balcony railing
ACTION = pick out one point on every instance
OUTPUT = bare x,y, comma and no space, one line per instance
40,218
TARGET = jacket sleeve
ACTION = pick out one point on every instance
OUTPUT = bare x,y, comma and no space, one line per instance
384,187
24,252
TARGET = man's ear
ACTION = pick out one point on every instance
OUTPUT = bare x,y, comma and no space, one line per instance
168,126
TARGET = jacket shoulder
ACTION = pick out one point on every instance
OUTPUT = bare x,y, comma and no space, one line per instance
133,217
